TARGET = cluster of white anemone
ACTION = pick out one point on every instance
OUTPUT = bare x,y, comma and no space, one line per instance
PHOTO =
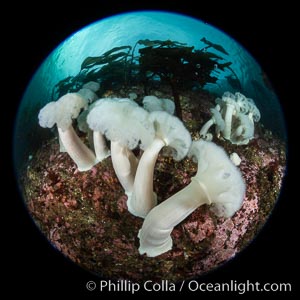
151,128
233,117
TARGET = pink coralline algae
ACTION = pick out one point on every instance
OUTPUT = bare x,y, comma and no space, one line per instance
198,230
226,234
122,204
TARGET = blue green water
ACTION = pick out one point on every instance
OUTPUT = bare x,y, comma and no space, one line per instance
127,29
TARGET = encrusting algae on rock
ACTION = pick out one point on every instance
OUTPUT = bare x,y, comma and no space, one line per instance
85,216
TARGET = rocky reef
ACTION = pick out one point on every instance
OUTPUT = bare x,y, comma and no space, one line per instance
84,214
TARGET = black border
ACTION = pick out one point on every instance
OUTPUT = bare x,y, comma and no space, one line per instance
33,30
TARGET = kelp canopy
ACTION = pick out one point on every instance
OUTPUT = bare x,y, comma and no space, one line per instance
156,62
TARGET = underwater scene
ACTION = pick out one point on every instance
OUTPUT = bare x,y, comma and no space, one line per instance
150,145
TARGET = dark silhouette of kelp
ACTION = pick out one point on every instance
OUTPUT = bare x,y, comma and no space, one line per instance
111,69
212,45
178,65
156,62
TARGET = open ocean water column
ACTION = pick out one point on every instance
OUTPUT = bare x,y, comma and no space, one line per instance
198,68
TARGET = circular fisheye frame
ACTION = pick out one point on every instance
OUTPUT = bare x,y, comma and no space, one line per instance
154,155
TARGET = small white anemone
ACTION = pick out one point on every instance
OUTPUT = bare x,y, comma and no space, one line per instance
92,85
234,116
152,103
62,112
216,120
